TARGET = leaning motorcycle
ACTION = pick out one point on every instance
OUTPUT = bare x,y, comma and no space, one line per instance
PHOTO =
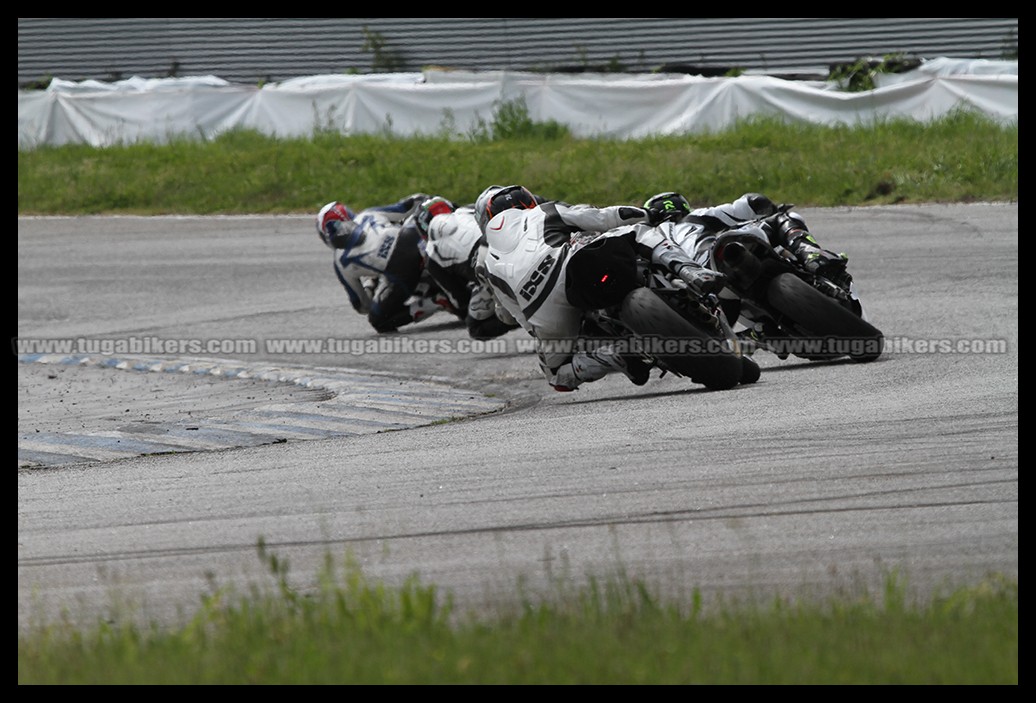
788,309
654,314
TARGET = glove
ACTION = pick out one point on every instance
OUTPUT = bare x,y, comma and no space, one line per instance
414,199
370,285
656,216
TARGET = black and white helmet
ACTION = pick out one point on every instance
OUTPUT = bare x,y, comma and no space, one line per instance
673,206
501,199
482,205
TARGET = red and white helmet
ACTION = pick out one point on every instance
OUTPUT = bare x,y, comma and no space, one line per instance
436,205
337,227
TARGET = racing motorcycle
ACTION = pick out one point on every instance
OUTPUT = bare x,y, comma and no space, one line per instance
787,309
655,314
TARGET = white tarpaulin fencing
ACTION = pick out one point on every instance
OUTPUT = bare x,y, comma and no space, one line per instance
459,103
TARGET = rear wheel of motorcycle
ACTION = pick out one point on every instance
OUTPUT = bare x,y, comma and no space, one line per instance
718,367
824,321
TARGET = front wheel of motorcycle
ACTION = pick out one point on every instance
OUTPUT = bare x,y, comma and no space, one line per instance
750,371
705,357
831,329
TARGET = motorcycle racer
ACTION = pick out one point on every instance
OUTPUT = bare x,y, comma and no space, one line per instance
380,263
454,250
695,230
538,279
780,227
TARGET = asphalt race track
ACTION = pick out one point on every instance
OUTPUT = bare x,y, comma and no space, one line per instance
170,426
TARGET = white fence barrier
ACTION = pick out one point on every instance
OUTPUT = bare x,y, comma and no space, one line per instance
459,104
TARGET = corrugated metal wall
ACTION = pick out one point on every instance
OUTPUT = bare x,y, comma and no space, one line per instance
257,49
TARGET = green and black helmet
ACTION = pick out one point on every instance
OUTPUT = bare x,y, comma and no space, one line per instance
672,205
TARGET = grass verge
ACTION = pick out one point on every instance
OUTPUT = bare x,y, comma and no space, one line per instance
350,630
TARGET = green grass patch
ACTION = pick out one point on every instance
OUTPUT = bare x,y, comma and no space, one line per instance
963,157
350,630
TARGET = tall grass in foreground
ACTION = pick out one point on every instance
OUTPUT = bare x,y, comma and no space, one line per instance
963,157
352,631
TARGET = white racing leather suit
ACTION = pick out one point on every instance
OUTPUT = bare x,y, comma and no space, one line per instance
696,232
454,250
526,261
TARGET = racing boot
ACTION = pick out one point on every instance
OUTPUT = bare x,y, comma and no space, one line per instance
793,235
593,365
423,308
829,265
823,262
426,301
702,280
757,336
444,303
699,279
